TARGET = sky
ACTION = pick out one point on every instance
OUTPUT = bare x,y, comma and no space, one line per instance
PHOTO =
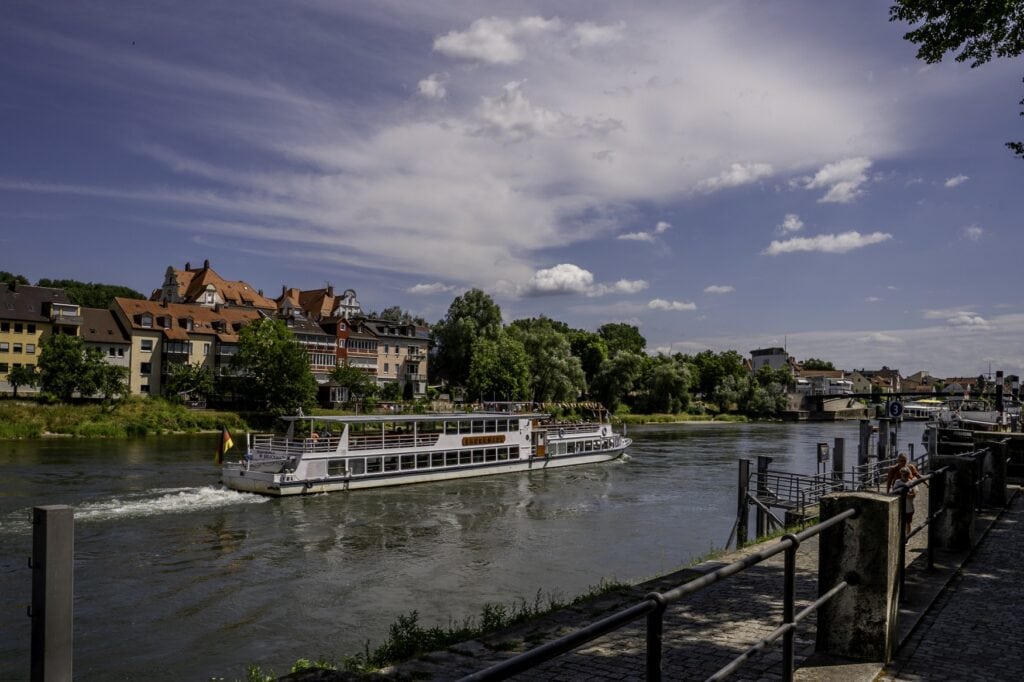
724,175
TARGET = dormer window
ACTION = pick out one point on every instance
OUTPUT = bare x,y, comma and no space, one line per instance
146,320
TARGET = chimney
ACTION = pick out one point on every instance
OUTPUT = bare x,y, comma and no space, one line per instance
330,290
188,266
259,291
999,391
206,264
284,289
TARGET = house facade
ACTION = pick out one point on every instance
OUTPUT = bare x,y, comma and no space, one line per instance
28,315
204,287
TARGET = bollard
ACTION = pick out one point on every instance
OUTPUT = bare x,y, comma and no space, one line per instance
993,472
838,460
954,527
53,537
742,505
860,622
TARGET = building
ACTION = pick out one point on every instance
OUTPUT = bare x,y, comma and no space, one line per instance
163,334
401,354
775,358
883,380
101,329
320,347
203,286
28,315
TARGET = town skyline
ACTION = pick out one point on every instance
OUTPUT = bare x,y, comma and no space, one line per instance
733,177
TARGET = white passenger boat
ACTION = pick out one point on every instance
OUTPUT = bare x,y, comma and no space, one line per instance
368,451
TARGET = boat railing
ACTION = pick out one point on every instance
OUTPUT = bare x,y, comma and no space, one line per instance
569,429
281,446
392,441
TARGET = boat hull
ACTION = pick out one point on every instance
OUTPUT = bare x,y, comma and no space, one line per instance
234,475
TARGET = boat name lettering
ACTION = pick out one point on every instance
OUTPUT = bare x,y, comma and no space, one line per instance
483,440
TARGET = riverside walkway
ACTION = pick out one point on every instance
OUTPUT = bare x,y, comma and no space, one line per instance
957,622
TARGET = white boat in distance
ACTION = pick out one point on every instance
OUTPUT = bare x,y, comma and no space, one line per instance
369,451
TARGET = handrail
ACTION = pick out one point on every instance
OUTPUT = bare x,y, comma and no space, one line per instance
655,603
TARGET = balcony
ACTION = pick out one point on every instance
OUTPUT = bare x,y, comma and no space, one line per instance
64,317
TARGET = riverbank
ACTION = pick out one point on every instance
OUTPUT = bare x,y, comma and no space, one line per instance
126,419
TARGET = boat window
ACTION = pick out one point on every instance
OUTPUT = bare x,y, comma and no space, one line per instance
391,463
373,465
356,467
451,458
502,453
513,452
491,455
464,426
490,426
408,462
451,427
437,459
478,426
335,467
423,460
465,457
478,456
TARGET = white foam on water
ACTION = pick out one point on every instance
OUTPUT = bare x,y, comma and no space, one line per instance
164,501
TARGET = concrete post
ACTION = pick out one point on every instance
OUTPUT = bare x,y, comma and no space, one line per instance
861,621
994,471
53,536
954,527
883,438
864,442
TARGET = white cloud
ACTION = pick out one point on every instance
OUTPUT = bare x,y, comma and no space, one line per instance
872,299
428,289
433,87
827,243
842,178
567,278
791,223
493,40
662,304
957,317
513,117
956,180
973,232
719,289
660,228
589,34
880,337
737,174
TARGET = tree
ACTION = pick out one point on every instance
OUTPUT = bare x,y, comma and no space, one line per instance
11,278
274,372
111,381
555,373
622,338
185,379
664,385
712,368
815,363
499,369
358,383
397,314
22,375
616,378
62,365
391,392
766,376
91,294
470,316
591,349
978,29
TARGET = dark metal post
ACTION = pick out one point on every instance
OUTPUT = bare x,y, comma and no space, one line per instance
838,460
883,438
788,608
903,539
655,631
742,510
53,536
936,499
762,493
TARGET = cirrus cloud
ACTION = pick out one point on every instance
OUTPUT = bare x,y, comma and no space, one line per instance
719,289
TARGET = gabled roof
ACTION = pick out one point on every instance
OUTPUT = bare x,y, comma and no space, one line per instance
193,283
223,323
102,326
27,303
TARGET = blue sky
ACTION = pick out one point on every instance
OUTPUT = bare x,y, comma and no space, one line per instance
724,175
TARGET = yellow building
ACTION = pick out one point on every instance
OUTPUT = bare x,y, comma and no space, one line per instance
28,315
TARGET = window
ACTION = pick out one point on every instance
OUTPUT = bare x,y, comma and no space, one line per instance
120,352
5,347
18,327
4,368
206,349
146,368
31,328
30,348
386,370
335,467
5,326
146,320
110,351
144,388
146,345
17,348
385,350
356,467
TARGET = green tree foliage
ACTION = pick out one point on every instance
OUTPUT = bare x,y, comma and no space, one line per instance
815,363
664,385
622,338
470,316
767,376
977,30
591,349
397,314
22,375
66,367
359,384
616,378
712,368
90,294
188,381
109,381
499,369
745,395
391,392
10,278
555,373
273,369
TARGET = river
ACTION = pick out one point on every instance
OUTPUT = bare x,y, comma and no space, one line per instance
178,578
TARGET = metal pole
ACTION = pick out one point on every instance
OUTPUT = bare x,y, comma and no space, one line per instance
788,608
52,564
655,631
742,511
903,539
838,459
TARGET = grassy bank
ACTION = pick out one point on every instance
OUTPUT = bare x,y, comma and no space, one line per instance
678,418
129,418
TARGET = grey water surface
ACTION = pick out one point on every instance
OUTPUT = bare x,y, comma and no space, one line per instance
178,578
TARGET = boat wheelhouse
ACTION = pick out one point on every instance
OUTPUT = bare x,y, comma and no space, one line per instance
368,451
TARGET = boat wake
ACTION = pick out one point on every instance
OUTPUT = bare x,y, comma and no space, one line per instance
163,501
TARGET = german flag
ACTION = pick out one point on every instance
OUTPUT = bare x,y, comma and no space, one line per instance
225,444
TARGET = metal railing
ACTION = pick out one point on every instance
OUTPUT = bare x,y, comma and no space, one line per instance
654,605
